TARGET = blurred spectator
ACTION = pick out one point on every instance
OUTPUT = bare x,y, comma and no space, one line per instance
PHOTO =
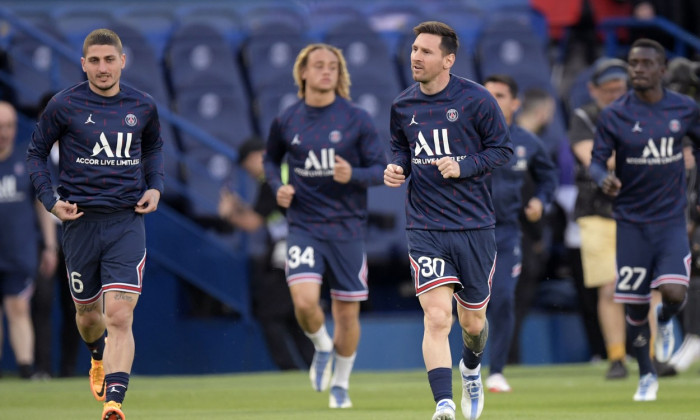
28,247
684,13
593,212
272,304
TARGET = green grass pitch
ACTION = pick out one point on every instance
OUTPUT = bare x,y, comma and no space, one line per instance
559,392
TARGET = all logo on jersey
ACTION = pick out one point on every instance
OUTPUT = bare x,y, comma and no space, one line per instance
104,152
130,120
335,136
440,146
657,153
8,190
520,159
452,115
318,164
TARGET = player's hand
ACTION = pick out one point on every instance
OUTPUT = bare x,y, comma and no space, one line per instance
393,176
285,195
533,210
342,171
229,203
448,167
65,211
148,203
611,185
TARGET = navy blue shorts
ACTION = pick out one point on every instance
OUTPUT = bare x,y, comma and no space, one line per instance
104,252
649,255
465,259
308,258
16,284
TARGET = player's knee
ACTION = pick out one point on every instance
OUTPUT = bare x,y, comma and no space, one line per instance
120,319
637,314
437,319
673,294
473,326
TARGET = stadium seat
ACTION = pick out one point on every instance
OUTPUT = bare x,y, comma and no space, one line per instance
219,111
155,20
323,16
508,45
199,55
377,100
288,14
206,174
224,17
76,20
269,103
367,56
38,70
269,53
142,70
386,230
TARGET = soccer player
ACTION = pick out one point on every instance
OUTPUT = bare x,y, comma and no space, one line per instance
333,154
644,129
111,175
24,221
447,134
507,182
594,215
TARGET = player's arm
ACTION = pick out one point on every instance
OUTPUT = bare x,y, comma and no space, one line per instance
603,147
544,173
694,135
49,255
372,159
275,150
495,138
399,167
152,154
47,130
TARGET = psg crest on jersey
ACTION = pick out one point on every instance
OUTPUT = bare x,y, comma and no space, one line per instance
452,115
674,126
130,120
335,136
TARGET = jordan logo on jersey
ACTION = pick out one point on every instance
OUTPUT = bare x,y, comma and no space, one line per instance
413,120
89,120
296,140
636,128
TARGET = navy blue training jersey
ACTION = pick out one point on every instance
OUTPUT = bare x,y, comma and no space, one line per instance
530,156
110,148
647,141
463,122
20,234
311,137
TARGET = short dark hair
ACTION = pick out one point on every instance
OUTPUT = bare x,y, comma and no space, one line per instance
449,43
534,98
654,45
506,80
102,37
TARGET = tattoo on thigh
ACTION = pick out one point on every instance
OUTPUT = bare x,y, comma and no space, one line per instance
82,309
124,296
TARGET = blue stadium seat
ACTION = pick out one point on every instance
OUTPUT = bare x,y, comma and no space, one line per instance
367,57
269,103
509,45
386,231
394,21
269,53
224,17
199,55
155,20
38,70
76,20
218,110
258,16
142,70
207,173
323,16
377,100
464,17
